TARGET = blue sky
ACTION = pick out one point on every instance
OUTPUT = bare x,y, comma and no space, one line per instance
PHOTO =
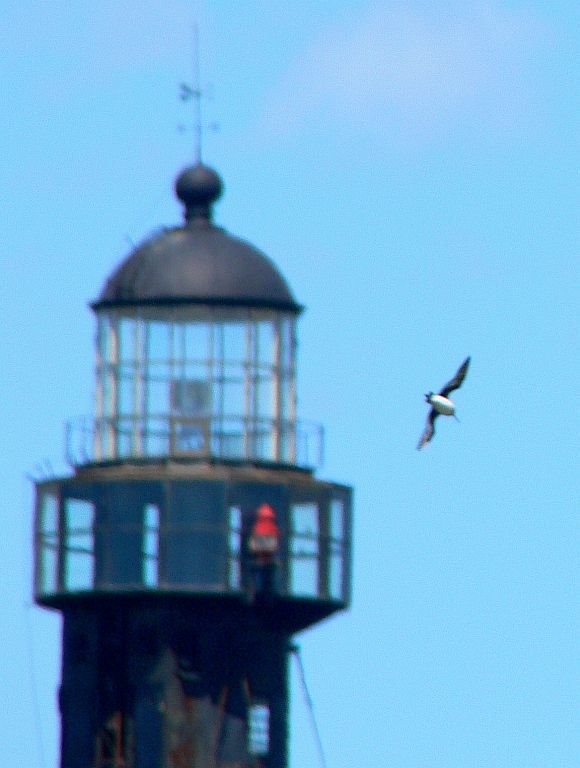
412,168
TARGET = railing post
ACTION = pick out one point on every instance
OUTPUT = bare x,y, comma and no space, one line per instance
238,438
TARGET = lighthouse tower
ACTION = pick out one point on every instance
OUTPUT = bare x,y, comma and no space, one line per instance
191,540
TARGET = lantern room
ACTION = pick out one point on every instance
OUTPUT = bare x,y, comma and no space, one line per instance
195,350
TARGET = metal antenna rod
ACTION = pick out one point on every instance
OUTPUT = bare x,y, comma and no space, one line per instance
196,94
193,93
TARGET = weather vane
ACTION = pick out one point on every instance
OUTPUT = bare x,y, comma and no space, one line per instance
194,93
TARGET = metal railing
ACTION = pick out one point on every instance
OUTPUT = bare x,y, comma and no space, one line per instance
233,438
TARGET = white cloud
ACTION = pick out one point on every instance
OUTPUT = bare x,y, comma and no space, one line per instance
411,67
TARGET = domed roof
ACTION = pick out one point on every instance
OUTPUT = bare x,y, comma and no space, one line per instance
197,263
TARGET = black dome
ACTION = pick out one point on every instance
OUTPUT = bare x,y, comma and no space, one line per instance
198,263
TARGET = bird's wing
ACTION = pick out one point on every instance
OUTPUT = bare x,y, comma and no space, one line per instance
457,380
429,430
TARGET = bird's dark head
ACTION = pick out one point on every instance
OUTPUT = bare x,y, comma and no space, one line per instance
428,397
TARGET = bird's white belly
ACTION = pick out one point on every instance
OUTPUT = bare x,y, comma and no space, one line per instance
442,405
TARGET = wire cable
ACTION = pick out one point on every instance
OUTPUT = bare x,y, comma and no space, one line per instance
41,754
295,650
27,609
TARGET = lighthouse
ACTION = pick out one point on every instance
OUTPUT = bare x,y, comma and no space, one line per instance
192,539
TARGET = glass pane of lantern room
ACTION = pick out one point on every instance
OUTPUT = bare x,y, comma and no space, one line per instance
336,550
125,390
150,544
157,388
234,400
263,366
287,370
266,342
197,336
47,543
286,343
48,514
235,341
157,341
304,524
78,547
337,519
264,393
157,370
127,339
104,336
106,366
235,546
304,549
335,573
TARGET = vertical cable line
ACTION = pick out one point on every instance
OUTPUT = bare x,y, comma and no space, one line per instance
295,650
33,684
27,605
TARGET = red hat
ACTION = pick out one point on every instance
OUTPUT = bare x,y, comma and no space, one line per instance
265,511
265,522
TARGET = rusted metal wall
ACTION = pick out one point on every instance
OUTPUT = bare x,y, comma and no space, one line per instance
152,687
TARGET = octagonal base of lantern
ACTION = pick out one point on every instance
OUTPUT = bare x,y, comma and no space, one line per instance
170,531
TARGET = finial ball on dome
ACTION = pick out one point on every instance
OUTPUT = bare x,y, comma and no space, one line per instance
198,187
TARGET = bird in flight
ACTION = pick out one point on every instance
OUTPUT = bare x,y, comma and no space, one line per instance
441,404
